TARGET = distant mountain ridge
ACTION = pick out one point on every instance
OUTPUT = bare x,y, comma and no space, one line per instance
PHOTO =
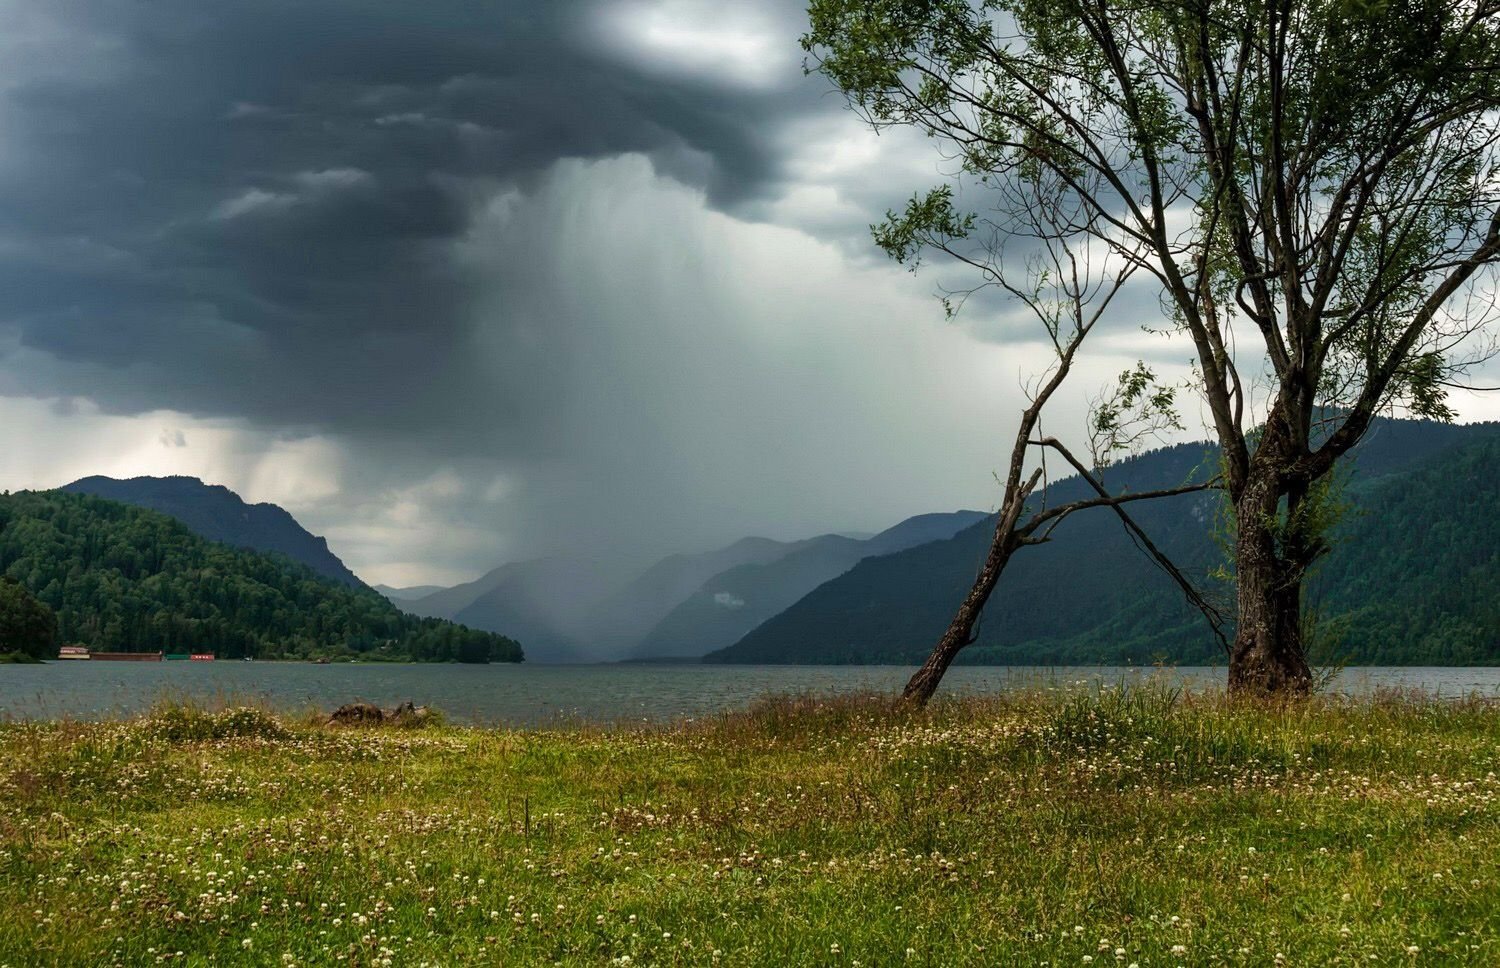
216,513
407,594
620,620
1090,596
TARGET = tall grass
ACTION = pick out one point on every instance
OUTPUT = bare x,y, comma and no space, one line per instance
1142,825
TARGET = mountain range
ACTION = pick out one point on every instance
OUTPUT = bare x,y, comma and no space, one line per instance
1087,596
682,607
1414,574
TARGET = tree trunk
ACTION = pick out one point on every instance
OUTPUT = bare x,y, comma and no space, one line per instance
1267,656
961,630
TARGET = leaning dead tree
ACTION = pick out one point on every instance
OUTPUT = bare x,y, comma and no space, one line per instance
1031,245
1310,186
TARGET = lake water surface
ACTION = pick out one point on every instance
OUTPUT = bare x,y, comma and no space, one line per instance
538,694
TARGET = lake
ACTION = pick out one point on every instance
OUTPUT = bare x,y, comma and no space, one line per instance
530,695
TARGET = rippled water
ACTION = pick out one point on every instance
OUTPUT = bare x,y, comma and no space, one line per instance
538,694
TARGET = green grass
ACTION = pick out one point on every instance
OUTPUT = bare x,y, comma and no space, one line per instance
1135,826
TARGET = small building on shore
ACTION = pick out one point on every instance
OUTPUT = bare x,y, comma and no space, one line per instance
73,652
202,657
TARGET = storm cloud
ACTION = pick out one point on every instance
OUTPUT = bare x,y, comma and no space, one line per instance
249,209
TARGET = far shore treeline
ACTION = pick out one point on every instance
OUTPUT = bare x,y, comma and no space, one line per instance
124,579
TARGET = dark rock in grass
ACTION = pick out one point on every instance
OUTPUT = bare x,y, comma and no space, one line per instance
364,713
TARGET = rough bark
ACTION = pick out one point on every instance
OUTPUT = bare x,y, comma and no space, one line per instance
1267,656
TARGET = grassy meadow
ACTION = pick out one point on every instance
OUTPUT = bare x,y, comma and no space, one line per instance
1122,827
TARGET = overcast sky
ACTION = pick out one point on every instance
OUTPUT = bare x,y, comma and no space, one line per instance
462,283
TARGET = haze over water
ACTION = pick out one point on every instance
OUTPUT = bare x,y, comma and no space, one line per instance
534,695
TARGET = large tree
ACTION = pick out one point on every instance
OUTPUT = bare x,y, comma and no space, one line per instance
1310,187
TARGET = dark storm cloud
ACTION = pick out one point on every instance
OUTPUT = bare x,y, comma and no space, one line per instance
247,208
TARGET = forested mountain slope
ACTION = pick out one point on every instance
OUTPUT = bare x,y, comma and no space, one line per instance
1414,577
123,578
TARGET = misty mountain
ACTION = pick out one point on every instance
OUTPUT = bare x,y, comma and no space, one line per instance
544,600
733,602
407,594
623,618
216,513
1412,577
568,610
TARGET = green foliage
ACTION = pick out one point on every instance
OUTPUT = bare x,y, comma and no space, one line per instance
214,512
1138,407
124,579
928,219
1314,185
27,626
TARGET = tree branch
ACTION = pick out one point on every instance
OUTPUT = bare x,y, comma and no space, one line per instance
1215,620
